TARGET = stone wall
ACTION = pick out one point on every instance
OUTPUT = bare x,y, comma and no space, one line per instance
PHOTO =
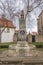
39,38
29,38
15,37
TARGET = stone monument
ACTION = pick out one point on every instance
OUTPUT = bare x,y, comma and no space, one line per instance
22,44
22,48
22,27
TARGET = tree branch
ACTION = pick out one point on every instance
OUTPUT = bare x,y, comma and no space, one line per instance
2,30
36,6
3,6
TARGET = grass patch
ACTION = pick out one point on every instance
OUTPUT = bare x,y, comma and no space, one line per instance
3,49
8,43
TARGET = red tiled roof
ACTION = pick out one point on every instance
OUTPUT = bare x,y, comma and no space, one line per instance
6,23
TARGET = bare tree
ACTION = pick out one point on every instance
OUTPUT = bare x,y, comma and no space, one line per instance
9,9
35,4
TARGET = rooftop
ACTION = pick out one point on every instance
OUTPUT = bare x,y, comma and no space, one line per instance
6,23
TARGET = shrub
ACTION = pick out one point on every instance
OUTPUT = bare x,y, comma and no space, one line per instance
4,46
38,45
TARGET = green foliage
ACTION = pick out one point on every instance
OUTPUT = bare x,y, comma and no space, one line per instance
38,44
6,45
3,49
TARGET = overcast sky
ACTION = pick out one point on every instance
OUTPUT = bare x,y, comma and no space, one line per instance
31,20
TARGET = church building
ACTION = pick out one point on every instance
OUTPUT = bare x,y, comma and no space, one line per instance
40,27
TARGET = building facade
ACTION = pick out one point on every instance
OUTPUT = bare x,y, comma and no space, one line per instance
40,27
6,30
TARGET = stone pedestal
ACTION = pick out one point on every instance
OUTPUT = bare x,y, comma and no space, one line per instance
22,49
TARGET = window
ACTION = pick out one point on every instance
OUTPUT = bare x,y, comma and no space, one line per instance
8,30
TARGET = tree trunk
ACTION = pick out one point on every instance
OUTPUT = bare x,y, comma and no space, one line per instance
0,35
